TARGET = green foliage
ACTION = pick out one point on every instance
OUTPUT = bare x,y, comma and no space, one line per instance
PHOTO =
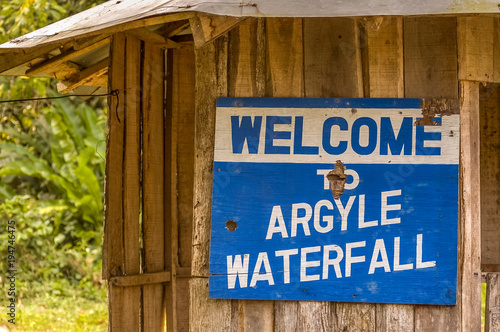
51,183
52,186
59,306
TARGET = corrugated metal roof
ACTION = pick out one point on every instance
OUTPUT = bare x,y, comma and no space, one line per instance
118,12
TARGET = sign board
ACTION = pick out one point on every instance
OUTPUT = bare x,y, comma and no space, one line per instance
278,233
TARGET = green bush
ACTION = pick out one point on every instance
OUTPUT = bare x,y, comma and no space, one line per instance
52,187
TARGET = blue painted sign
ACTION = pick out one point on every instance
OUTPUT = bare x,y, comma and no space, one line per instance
278,233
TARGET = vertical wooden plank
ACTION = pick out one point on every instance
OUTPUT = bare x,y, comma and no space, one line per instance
284,72
490,177
181,102
332,58
333,68
131,181
184,100
430,57
394,318
113,253
476,56
171,211
470,208
384,42
211,81
246,78
430,60
285,53
208,314
492,314
496,50
153,183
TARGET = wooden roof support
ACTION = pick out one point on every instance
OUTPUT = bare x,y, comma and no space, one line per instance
84,77
13,59
152,38
140,279
208,27
51,65
171,29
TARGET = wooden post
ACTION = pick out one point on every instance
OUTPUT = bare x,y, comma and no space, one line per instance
470,208
490,173
113,254
180,107
246,78
211,81
153,183
492,314
131,182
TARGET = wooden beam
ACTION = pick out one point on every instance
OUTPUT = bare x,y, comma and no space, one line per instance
113,248
208,27
18,57
384,52
14,57
470,208
153,193
153,38
479,49
430,57
173,28
84,76
211,81
490,170
140,279
52,64
131,177
492,312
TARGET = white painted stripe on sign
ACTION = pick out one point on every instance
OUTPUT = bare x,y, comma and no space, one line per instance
325,135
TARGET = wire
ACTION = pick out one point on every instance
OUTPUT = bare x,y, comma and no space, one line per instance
112,93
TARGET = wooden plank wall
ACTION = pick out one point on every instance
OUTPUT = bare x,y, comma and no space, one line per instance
490,176
334,57
149,186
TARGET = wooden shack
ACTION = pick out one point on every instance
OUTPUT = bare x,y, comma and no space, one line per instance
168,61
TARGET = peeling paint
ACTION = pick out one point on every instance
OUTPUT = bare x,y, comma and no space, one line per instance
337,179
433,107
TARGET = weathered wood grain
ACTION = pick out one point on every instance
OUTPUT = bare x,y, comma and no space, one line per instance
211,81
113,253
384,43
180,104
285,53
394,317
84,77
153,183
171,205
430,60
470,208
247,49
131,181
492,313
490,177
246,78
430,57
208,315
208,27
50,66
478,55
332,58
